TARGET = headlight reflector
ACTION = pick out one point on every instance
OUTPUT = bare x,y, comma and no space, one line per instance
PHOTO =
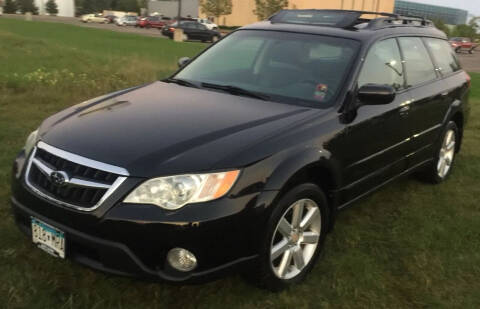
174,192
31,142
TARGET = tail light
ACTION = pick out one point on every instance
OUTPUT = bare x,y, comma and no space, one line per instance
171,29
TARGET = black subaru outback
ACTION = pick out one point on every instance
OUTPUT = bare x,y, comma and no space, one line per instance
243,157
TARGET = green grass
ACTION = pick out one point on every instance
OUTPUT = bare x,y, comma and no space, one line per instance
410,245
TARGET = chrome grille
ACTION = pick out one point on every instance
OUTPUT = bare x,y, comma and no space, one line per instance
71,180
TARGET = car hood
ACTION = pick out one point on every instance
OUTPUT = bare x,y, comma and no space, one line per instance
163,129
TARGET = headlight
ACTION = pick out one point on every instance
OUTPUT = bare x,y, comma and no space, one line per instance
175,192
31,142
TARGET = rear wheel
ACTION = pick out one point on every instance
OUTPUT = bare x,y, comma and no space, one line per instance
439,170
458,49
295,234
215,38
185,37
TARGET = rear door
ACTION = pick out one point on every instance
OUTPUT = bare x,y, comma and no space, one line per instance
429,94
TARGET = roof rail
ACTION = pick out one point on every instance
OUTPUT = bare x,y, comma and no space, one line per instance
347,19
399,21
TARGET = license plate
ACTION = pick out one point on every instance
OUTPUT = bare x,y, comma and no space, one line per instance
48,238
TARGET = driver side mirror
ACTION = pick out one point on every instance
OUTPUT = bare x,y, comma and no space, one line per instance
375,94
183,61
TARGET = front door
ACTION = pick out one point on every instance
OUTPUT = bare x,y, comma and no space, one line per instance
378,138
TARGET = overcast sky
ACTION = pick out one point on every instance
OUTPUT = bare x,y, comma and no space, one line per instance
472,6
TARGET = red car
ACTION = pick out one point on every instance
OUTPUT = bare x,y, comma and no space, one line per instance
463,44
153,22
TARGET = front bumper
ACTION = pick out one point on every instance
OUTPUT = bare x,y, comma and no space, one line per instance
133,240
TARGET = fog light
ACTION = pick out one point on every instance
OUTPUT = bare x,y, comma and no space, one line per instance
181,259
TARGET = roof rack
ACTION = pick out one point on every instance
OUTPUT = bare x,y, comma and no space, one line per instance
347,19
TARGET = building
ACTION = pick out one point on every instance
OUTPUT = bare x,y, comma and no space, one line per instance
242,10
170,8
448,15
66,8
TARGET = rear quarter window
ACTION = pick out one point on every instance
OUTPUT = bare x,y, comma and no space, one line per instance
444,56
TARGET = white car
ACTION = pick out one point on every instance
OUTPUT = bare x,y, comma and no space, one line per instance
126,21
94,18
207,23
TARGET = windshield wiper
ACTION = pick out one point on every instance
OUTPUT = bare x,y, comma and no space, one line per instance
181,82
237,91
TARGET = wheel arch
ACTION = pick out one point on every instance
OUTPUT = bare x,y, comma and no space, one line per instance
314,166
459,120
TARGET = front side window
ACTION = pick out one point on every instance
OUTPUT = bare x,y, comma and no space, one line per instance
294,68
443,55
383,66
418,63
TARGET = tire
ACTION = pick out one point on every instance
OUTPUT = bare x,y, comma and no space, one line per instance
445,153
185,37
471,51
458,50
215,38
277,249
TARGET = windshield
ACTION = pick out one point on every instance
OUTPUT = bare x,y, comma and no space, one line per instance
294,68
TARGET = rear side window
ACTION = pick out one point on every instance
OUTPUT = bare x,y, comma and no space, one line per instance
383,66
418,63
444,56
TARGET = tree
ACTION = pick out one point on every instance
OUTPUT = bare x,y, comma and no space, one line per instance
10,7
127,6
216,8
27,6
51,7
266,8
465,31
87,7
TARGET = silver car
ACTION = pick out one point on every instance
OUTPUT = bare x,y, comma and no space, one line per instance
126,21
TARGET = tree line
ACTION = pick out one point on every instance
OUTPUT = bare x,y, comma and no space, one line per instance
82,6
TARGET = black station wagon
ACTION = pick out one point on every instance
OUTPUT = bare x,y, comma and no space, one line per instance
242,158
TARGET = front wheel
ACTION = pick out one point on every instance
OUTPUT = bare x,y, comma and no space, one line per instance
295,234
215,39
472,51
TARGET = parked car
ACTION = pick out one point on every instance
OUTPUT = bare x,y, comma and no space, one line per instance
94,18
243,157
153,22
111,18
463,44
127,20
207,23
192,30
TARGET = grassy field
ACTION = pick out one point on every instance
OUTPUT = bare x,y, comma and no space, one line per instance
411,245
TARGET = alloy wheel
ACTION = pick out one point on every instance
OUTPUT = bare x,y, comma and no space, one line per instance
295,239
447,153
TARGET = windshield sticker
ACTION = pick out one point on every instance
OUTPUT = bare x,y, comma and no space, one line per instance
321,92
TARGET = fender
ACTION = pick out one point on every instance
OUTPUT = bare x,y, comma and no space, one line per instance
299,160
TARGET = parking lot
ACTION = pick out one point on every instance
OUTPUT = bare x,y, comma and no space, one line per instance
76,21
471,63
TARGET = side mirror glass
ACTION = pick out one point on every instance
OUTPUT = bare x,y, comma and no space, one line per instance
183,61
373,94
